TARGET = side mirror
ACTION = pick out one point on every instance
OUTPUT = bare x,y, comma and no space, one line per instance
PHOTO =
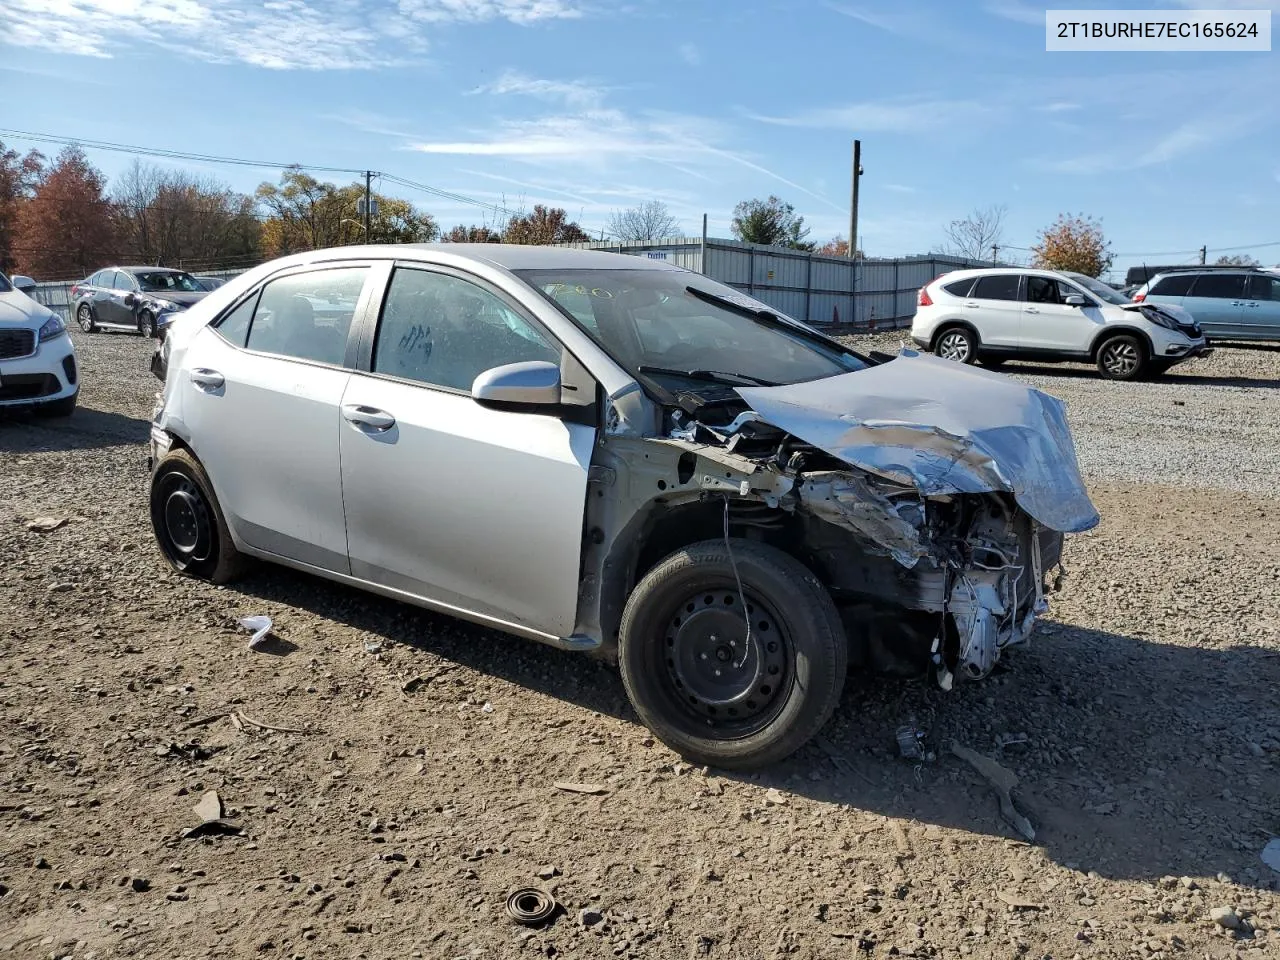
533,383
25,284
1075,300
130,299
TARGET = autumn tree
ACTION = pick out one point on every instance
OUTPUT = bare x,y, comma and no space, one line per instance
67,229
1237,260
542,226
837,246
19,176
472,234
771,222
174,218
304,213
649,221
1073,243
975,235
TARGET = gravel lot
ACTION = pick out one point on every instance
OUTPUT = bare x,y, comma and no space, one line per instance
396,822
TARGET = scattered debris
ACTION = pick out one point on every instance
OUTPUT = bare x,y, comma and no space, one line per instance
213,828
775,797
1016,902
487,708
910,743
1003,780
413,684
191,750
1271,855
210,807
140,884
47,524
206,720
589,788
261,627
373,647
531,906
589,917
1225,917
548,871
245,718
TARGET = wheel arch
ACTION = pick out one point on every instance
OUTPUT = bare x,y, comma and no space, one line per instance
946,325
1109,332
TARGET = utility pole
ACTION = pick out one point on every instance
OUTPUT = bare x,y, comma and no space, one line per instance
853,204
368,201
995,253
1203,252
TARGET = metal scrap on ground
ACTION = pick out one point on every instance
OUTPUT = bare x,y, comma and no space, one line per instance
588,788
1004,780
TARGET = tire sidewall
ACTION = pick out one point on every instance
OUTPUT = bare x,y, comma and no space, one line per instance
970,337
816,673
1143,357
146,324
224,560
85,310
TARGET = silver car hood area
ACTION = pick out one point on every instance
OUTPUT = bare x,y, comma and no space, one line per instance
943,428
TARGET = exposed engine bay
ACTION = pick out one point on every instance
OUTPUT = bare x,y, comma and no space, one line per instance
937,559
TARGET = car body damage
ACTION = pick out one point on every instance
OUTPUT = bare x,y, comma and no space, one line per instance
930,499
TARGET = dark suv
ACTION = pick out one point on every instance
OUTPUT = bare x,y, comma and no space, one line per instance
1235,304
144,299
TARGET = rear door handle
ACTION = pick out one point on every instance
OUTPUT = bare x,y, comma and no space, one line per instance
1032,310
368,417
207,379
971,304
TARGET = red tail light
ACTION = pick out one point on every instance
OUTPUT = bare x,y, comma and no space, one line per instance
923,299
1139,297
75,289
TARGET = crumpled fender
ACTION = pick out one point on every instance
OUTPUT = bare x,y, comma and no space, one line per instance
944,428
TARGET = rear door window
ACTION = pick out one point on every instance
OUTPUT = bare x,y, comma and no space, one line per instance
959,288
1219,286
1001,286
1263,287
308,315
1174,286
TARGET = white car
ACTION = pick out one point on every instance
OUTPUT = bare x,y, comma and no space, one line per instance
604,452
37,358
1004,313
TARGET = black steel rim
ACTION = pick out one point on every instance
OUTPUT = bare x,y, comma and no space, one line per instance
185,523
726,680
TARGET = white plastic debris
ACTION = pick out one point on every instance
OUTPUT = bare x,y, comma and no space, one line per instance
487,708
260,625
1271,855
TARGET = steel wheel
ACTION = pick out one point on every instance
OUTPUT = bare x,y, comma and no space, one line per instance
1120,358
186,530
84,317
955,345
728,680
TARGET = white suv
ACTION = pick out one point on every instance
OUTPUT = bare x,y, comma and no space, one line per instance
1005,313
37,359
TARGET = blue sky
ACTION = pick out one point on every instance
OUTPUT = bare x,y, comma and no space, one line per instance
596,105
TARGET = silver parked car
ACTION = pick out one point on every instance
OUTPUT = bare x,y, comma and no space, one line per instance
1230,304
611,454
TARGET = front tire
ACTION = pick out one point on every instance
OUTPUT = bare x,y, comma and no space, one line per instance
84,317
957,343
1122,357
147,324
710,690
188,522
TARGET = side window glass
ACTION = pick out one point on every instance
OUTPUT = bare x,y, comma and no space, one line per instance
1262,287
308,315
96,279
959,288
1042,290
111,279
444,331
234,326
1219,286
1176,285
124,282
1001,286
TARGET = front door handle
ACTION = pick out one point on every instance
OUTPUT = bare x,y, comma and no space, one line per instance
1031,310
368,417
207,379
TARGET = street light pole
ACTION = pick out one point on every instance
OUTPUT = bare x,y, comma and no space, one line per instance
853,204
368,196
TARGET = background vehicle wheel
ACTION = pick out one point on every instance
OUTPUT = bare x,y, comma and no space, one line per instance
58,408
84,317
188,522
957,343
147,324
702,685
1123,357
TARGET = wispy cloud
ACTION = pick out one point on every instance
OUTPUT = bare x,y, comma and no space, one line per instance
1061,106
275,34
1174,145
899,188
882,116
1016,11
574,93
690,54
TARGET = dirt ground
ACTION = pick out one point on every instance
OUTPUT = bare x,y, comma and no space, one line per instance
413,785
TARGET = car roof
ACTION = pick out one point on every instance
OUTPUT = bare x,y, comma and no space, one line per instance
989,271
146,269
509,256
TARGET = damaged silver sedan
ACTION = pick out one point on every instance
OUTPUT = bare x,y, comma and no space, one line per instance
610,454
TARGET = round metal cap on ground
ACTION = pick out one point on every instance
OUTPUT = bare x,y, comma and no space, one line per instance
531,906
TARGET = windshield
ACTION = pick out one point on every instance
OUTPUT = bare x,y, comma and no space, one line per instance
650,322
159,282
1099,289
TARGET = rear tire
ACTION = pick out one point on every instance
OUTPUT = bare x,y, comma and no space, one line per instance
957,343
84,317
705,687
188,522
1122,357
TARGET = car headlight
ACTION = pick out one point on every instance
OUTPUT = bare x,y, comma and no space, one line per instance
52,329
1160,318
166,306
